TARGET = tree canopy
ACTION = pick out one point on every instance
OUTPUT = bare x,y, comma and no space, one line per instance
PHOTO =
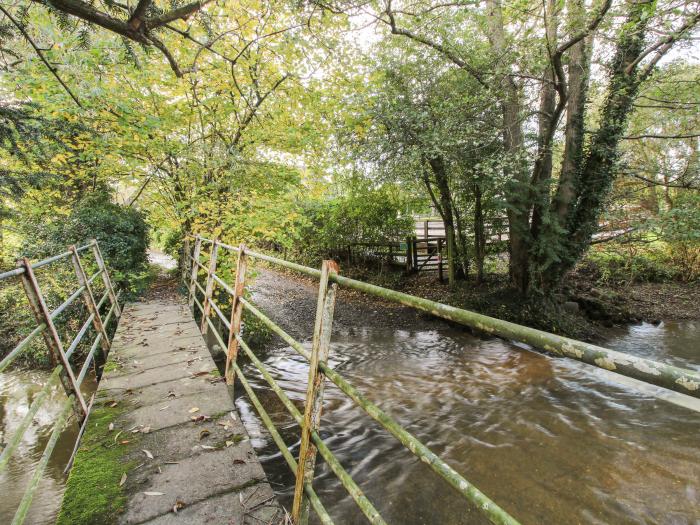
563,121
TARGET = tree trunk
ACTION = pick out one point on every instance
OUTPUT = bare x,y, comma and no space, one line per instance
598,170
517,190
479,234
579,71
447,206
547,122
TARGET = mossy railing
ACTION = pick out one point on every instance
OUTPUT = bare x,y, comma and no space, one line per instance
202,296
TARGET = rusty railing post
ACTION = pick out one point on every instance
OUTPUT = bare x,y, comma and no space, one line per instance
90,303
236,313
105,277
439,259
314,392
195,269
209,289
51,337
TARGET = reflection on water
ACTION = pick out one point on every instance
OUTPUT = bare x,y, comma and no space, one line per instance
552,441
17,391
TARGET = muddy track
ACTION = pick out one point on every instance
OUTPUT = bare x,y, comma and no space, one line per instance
290,300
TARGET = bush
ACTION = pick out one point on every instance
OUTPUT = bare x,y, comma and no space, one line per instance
631,263
121,231
364,215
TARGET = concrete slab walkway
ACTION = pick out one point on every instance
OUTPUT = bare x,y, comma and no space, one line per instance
164,443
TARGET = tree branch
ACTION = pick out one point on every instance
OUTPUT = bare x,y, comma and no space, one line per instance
653,136
662,47
137,16
40,55
452,56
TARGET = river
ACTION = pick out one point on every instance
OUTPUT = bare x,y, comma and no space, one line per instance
550,440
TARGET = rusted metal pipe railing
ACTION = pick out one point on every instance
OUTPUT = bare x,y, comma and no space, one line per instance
63,371
646,370
660,374
311,443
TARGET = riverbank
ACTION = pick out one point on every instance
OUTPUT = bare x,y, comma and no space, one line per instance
584,306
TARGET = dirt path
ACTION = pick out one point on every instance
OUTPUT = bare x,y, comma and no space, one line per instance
290,300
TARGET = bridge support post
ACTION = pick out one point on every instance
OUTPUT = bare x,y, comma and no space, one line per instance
314,393
97,253
90,303
195,270
51,337
209,289
236,314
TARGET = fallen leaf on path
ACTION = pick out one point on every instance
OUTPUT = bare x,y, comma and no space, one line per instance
194,409
207,447
154,494
238,462
123,480
124,442
148,454
229,443
145,430
204,433
178,505
163,408
111,427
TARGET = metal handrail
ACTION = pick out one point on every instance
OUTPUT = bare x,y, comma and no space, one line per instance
44,262
488,508
660,374
413,444
64,369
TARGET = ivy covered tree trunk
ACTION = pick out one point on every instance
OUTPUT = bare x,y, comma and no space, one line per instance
596,171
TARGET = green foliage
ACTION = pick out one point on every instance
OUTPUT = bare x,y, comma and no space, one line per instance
364,214
121,232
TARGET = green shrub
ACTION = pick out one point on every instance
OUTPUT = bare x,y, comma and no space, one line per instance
121,231
632,264
364,215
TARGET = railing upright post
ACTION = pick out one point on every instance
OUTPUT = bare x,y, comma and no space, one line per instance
51,337
105,277
209,289
314,392
195,269
185,259
236,313
414,252
90,303
439,259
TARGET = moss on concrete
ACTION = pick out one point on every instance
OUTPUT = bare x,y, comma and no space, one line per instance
111,366
93,492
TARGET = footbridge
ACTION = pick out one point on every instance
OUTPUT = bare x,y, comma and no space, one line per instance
161,440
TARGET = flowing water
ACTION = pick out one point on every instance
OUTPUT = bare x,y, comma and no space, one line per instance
550,440
17,391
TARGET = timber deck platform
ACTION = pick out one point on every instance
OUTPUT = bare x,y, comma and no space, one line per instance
164,443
